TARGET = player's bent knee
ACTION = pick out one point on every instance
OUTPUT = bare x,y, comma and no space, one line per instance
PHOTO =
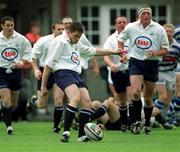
86,104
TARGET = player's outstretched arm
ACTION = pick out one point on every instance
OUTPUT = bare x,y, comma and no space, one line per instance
103,52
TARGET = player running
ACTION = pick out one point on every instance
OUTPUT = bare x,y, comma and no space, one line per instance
39,54
15,49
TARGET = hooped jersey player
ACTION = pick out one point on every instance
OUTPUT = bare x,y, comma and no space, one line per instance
177,33
170,61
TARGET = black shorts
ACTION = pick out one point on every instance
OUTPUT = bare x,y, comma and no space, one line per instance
11,80
50,82
64,78
120,80
113,126
147,68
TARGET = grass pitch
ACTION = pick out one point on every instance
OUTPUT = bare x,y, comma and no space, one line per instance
37,137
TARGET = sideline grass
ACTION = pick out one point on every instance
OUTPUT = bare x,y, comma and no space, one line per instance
37,137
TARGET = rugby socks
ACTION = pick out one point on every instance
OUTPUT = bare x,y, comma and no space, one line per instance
137,107
84,117
69,116
170,113
159,104
173,108
99,112
131,114
176,103
123,114
147,113
58,111
7,115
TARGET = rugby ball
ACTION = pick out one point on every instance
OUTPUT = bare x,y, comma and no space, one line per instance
93,131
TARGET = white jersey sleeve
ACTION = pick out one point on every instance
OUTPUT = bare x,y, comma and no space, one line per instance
26,49
164,43
85,41
41,48
124,35
86,51
37,49
84,60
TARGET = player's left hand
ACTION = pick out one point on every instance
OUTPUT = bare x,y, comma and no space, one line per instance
18,65
101,126
121,52
124,59
149,54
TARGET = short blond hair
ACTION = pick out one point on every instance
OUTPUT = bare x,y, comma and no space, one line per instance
168,25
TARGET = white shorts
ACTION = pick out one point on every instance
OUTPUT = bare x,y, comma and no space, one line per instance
178,69
109,76
168,79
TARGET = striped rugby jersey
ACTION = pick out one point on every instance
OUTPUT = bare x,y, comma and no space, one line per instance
177,33
170,61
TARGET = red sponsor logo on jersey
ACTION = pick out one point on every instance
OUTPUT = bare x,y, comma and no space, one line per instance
169,59
9,53
143,42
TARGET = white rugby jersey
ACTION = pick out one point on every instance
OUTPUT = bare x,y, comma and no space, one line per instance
41,48
84,60
112,44
63,54
141,40
14,49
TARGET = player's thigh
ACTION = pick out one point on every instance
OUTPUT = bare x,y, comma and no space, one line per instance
113,112
14,98
58,95
73,94
85,98
96,104
136,82
113,109
178,85
5,95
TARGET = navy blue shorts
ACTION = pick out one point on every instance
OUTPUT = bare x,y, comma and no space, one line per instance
147,68
120,80
113,126
64,78
11,80
50,82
